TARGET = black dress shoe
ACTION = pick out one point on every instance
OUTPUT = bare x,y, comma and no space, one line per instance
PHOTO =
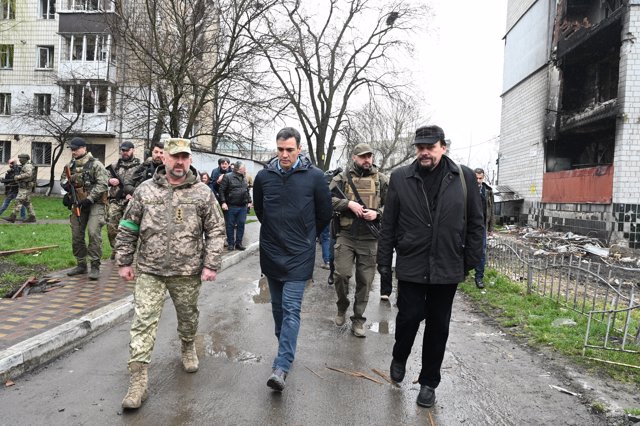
240,247
396,371
479,283
426,397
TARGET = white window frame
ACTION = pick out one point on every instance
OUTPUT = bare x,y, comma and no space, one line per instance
5,151
7,9
41,153
48,52
5,103
89,5
47,9
6,56
42,103
85,93
98,42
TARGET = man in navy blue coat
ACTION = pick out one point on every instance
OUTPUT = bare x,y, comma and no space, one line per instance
293,204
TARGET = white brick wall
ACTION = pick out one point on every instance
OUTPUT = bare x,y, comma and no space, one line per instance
627,149
516,8
522,135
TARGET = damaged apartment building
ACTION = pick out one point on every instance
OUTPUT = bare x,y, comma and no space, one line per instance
570,126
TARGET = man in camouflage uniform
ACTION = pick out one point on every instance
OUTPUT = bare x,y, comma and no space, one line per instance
89,178
175,224
121,187
355,240
146,170
26,181
11,188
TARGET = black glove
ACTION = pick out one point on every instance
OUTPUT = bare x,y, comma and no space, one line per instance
386,279
86,203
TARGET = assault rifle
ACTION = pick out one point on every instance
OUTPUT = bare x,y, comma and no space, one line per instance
72,190
120,194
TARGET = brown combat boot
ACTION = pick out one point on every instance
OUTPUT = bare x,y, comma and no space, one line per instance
138,383
11,218
78,270
30,219
95,271
189,357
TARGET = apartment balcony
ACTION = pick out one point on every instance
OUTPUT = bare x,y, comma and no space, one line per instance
87,70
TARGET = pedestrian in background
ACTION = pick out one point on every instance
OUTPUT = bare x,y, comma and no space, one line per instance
26,180
146,170
217,174
293,204
11,188
235,200
433,219
359,214
486,194
89,178
175,202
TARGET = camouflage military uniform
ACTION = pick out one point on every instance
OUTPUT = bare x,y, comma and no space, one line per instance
26,181
166,224
89,177
354,242
117,195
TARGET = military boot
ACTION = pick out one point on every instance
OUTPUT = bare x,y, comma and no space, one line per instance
30,219
95,271
11,218
78,270
137,392
189,357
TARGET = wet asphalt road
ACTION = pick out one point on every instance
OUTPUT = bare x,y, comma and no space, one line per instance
487,380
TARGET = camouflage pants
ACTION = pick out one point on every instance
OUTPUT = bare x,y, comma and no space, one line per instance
115,210
23,199
363,253
90,220
149,300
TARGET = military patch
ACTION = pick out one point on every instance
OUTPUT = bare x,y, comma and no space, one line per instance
179,215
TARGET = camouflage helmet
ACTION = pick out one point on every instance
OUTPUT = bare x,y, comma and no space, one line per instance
24,156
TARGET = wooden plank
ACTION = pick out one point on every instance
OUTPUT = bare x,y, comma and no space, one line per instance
26,250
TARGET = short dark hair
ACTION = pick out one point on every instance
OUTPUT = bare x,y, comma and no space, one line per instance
478,170
159,144
223,160
287,133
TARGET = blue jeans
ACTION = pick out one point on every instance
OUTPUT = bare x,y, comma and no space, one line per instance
326,242
480,267
8,200
286,302
236,215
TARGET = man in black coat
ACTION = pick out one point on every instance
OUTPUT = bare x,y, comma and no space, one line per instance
293,204
433,218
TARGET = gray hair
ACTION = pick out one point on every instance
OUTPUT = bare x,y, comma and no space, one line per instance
237,165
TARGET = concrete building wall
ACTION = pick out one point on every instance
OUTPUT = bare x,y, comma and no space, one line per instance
515,10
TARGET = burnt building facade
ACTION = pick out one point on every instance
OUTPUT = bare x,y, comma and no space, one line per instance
570,136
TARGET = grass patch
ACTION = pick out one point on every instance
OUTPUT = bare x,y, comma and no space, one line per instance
45,207
632,411
531,317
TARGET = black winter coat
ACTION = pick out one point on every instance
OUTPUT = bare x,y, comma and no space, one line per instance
234,190
450,253
292,208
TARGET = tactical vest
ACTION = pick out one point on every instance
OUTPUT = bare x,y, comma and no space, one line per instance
369,189
81,176
125,171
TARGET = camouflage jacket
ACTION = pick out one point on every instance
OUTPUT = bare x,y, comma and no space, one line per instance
179,229
124,171
89,178
26,179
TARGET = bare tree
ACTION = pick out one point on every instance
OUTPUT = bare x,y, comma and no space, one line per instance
388,125
176,55
323,63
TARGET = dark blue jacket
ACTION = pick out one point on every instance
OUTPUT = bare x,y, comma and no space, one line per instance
292,208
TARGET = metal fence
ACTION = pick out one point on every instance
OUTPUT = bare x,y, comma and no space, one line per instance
603,292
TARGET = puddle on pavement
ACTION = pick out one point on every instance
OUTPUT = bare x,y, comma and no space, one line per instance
383,327
213,346
261,292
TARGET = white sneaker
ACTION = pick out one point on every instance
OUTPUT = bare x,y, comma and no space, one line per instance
384,297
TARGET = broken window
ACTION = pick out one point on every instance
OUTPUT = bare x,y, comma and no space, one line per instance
587,146
86,98
589,81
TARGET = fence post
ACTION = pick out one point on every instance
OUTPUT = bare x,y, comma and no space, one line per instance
529,278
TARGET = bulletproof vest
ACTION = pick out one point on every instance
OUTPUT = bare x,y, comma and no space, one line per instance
369,189
81,173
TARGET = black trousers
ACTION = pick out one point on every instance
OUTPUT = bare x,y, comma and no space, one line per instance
432,303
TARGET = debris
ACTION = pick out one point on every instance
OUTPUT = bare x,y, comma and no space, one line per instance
26,250
28,282
563,322
598,251
314,372
355,374
32,285
381,374
563,390
9,383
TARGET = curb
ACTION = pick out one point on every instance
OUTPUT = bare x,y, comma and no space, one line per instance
38,350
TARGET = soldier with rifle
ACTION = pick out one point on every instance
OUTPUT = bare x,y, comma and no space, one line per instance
358,195
11,187
122,183
26,180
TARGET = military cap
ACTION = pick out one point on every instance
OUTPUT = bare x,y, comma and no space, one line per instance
362,148
24,156
177,145
77,143
428,135
127,145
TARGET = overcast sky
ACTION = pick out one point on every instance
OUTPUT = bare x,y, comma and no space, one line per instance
459,70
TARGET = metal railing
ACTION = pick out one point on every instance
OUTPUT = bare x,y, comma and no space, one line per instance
603,292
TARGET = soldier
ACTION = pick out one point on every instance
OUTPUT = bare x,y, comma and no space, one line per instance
121,187
146,170
11,188
89,178
176,203
26,181
358,194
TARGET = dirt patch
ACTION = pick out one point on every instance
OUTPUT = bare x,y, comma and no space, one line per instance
12,276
